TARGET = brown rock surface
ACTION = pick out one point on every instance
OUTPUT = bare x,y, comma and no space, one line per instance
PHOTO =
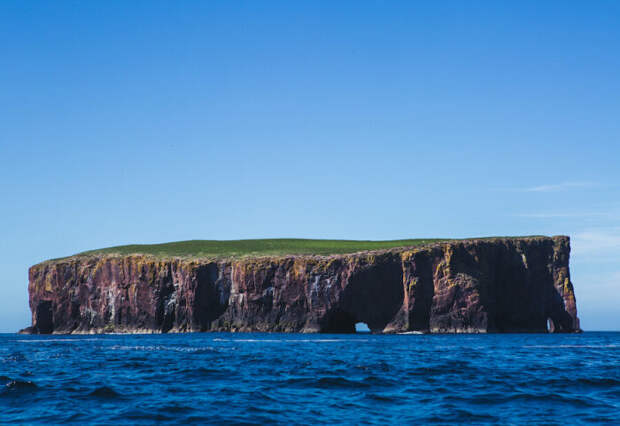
487,285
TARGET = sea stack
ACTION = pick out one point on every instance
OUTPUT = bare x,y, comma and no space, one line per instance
495,285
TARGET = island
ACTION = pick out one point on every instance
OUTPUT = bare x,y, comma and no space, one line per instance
485,285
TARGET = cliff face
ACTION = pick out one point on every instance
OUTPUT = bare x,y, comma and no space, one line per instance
498,285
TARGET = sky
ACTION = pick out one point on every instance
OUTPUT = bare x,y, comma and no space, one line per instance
146,121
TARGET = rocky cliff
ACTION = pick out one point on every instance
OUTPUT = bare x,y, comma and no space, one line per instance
487,285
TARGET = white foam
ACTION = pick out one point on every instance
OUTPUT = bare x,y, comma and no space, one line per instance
290,340
572,346
55,340
162,348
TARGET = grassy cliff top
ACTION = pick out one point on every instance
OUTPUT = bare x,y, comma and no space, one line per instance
261,247
258,247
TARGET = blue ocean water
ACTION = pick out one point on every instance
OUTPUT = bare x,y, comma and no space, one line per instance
290,378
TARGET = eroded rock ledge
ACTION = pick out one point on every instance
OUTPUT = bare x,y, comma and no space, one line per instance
490,285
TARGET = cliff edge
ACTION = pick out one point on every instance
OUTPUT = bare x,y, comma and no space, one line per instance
460,286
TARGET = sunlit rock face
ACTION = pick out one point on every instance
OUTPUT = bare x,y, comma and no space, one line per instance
487,285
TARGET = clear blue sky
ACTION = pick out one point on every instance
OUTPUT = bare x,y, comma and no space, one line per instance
140,122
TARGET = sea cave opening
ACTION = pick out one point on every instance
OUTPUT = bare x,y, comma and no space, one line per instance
340,321
362,327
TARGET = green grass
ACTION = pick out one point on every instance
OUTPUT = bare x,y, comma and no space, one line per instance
262,247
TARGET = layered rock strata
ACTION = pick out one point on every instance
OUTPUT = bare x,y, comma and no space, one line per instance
486,285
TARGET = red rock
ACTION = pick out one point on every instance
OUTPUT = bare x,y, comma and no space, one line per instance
490,285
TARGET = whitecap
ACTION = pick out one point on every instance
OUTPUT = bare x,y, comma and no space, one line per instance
290,340
572,346
55,340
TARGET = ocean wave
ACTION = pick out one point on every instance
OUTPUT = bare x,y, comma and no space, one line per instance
156,348
605,346
289,340
176,408
382,397
104,392
59,340
326,382
15,385
205,372
571,382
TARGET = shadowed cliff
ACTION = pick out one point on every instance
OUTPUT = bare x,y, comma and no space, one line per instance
486,285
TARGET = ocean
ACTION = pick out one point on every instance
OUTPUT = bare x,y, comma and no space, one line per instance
255,378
